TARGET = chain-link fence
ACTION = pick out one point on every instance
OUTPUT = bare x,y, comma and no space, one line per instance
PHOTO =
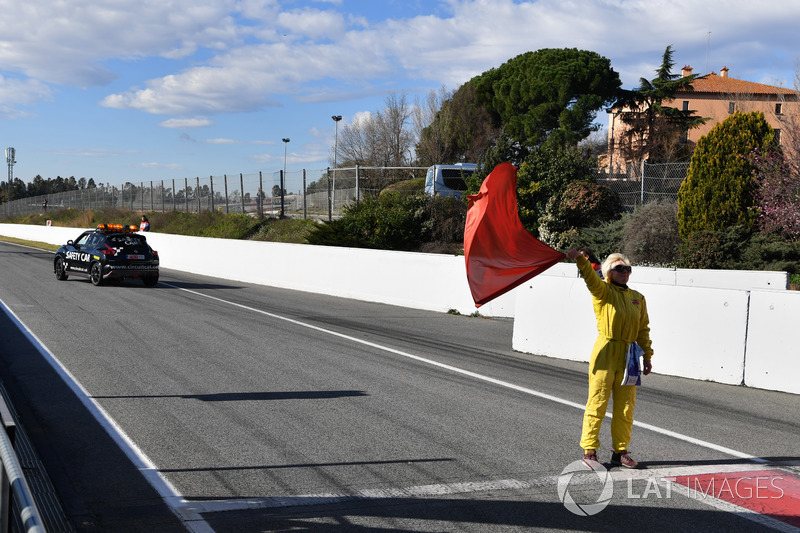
652,182
305,193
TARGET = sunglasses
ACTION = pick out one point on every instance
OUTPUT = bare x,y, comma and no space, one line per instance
622,268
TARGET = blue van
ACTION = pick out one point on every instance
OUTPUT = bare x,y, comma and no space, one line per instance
448,180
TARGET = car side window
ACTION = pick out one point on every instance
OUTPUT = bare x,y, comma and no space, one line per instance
83,239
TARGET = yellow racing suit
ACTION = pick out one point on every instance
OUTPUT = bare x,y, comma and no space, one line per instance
622,318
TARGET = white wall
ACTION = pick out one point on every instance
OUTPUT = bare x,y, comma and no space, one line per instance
743,333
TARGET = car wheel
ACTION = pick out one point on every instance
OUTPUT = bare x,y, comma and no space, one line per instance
150,281
96,274
60,269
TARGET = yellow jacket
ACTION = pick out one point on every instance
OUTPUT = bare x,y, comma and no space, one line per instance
621,313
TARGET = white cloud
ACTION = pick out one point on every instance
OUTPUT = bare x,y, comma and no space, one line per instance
233,141
313,23
245,55
67,42
185,123
96,152
168,166
16,92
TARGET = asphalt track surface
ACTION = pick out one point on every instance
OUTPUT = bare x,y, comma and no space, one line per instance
208,405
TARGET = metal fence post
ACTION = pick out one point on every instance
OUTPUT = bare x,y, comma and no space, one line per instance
641,201
305,205
330,208
260,195
241,190
282,191
211,182
227,203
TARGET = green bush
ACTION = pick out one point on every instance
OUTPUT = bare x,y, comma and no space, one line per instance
582,204
546,172
604,239
446,218
410,186
392,221
702,249
651,234
291,230
740,249
770,252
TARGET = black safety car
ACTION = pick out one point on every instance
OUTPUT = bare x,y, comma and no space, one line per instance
109,252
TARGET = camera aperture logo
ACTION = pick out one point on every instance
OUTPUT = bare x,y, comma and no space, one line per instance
585,509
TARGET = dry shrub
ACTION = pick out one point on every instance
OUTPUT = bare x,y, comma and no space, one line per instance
651,234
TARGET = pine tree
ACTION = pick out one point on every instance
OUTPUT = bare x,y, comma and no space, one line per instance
655,131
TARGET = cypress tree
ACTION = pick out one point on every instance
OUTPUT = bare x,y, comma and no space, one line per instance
719,189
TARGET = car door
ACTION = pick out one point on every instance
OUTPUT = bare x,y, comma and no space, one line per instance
76,256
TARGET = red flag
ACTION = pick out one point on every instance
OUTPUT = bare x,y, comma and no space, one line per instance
500,253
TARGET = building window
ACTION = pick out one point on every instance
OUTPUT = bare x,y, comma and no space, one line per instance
731,107
778,137
686,105
778,109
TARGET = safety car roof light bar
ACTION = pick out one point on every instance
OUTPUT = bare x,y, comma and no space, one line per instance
117,227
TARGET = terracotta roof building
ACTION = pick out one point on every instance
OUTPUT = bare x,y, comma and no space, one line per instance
715,97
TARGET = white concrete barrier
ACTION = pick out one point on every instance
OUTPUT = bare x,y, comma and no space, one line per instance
727,336
732,279
746,333
772,359
696,333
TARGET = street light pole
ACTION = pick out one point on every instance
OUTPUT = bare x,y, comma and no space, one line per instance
283,175
336,119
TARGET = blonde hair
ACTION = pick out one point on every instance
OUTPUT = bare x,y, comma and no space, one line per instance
610,260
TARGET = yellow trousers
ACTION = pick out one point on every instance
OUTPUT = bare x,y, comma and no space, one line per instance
606,369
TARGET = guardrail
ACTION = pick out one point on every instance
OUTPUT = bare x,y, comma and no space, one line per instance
14,489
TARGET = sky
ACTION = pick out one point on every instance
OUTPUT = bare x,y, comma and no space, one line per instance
138,90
